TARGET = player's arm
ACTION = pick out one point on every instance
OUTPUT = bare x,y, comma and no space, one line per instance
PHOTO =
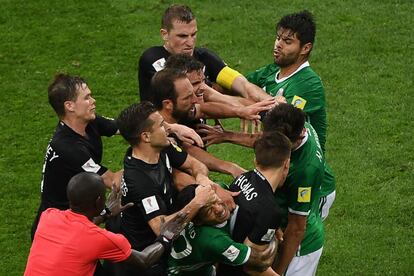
217,135
152,253
233,80
212,95
213,163
292,237
261,258
221,110
204,194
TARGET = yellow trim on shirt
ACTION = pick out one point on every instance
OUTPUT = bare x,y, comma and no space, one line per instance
226,77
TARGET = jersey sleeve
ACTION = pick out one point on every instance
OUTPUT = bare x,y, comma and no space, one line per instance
144,193
214,64
176,155
78,159
303,187
223,249
112,247
106,126
264,226
258,77
145,73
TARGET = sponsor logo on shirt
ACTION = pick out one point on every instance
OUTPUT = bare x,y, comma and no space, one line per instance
298,102
269,235
159,64
91,166
150,204
304,194
231,253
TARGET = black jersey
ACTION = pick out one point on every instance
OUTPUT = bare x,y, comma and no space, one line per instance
257,216
70,153
150,187
153,60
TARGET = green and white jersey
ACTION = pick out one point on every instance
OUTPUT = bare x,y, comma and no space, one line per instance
301,191
198,247
303,88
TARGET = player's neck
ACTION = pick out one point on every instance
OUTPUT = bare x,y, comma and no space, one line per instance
76,125
146,153
272,175
290,69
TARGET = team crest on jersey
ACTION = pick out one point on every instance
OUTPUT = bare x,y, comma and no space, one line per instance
298,102
91,166
269,235
231,253
159,64
304,194
150,204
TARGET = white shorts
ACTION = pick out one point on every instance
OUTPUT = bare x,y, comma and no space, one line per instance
325,204
304,265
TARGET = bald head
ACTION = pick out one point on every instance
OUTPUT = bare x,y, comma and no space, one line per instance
83,191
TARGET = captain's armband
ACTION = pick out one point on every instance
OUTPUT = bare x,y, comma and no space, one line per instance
226,77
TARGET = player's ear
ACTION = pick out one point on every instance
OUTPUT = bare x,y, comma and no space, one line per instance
164,34
306,49
69,105
146,136
168,105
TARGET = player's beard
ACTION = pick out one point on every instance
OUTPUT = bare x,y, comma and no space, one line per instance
285,61
180,115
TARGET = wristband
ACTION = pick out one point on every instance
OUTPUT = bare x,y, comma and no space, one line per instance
106,213
166,243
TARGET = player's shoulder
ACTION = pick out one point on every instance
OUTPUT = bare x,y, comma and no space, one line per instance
202,53
153,53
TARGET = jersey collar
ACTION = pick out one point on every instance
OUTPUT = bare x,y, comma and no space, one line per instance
303,65
303,141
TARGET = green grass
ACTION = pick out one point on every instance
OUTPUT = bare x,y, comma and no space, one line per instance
364,53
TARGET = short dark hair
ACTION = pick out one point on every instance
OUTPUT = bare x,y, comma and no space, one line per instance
181,13
272,149
134,120
286,119
83,189
162,86
184,62
63,88
300,23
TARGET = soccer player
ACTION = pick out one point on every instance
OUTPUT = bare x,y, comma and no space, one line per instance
148,182
76,145
69,243
207,241
179,33
301,249
258,216
176,102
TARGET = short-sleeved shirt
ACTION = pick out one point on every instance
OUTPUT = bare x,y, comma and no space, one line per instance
303,89
70,153
198,248
67,243
154,58
301,191
257,217
150,187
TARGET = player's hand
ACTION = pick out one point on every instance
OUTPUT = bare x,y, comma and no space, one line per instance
113,202
280,99
185,134
227,197
279,235
212,134
204,194
172,229
269,253
250,112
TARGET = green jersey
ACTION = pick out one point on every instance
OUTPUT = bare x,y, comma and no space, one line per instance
302,189
303,89
199,247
